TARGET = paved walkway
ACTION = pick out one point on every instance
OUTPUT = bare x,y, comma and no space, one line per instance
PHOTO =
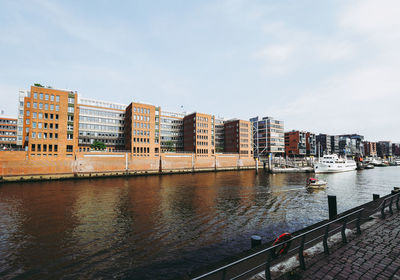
373,255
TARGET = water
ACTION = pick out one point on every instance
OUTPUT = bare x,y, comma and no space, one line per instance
160,227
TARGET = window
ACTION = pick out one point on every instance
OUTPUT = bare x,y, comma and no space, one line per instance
57,108
56,148
27,129
46,116
70,109
40,116
34,105
51,107
33,135
51,126
40,125
46,106
57,98
70,136
28,113
51,135
45,125
41,96
44,135
28,104
33,124
33,147
134,109
39,135
51,116
35,95
27,121
56,125
46,97
56,116
70,118
34,115
55,137
71,100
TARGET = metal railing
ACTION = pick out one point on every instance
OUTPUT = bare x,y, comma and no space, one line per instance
302,243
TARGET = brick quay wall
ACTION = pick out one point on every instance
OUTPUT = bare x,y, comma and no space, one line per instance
17,166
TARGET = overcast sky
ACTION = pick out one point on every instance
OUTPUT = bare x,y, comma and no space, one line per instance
323,66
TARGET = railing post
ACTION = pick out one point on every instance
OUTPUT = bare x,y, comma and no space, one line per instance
224,274
383,209
268,266
344,239
301,256
390,206
358,223
326,248
397,201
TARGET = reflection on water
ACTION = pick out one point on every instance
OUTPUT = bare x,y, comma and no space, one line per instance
161,226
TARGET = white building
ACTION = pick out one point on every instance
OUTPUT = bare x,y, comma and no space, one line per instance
268,136
101,121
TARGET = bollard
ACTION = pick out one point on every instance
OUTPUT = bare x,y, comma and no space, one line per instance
375,196
255,241
332,205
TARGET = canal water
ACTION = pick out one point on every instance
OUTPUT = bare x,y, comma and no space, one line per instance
161,227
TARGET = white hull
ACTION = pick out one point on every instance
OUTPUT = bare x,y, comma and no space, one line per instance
332,164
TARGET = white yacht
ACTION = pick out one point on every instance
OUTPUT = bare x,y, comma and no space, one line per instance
332,163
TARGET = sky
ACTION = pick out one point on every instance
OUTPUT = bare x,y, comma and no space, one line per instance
321,66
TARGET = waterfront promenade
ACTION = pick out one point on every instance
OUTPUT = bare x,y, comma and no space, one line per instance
373,255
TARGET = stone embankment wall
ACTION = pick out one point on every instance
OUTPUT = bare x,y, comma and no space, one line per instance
16,166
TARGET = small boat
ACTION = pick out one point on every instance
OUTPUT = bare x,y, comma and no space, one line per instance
314,183
369,166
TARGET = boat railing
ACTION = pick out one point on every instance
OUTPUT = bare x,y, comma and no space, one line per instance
262,260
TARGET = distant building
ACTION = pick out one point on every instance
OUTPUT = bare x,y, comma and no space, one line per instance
199,133
351,144
8,132
335,144
268,136
370,149
238,137
20,123
324,144
219,135
101,121
384,149
50,122
171,131
296,143
311,144
141,130
396,149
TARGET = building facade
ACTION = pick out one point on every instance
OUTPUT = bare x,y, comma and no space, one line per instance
351,144
324,144
335,144
8,132
20,123
101,121
219,135
268,136
396,149
311,144
237,137
142,136
50,122
171,131
370,149
199,134
296,143
384,149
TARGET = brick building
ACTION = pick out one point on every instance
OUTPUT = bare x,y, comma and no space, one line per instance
237,137
295,143
8,132
199,133
370,149
50,122
142,133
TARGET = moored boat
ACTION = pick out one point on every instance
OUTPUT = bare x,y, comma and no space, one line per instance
332,163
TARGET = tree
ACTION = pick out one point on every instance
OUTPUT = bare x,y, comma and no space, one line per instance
37,85
97,145
169,146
